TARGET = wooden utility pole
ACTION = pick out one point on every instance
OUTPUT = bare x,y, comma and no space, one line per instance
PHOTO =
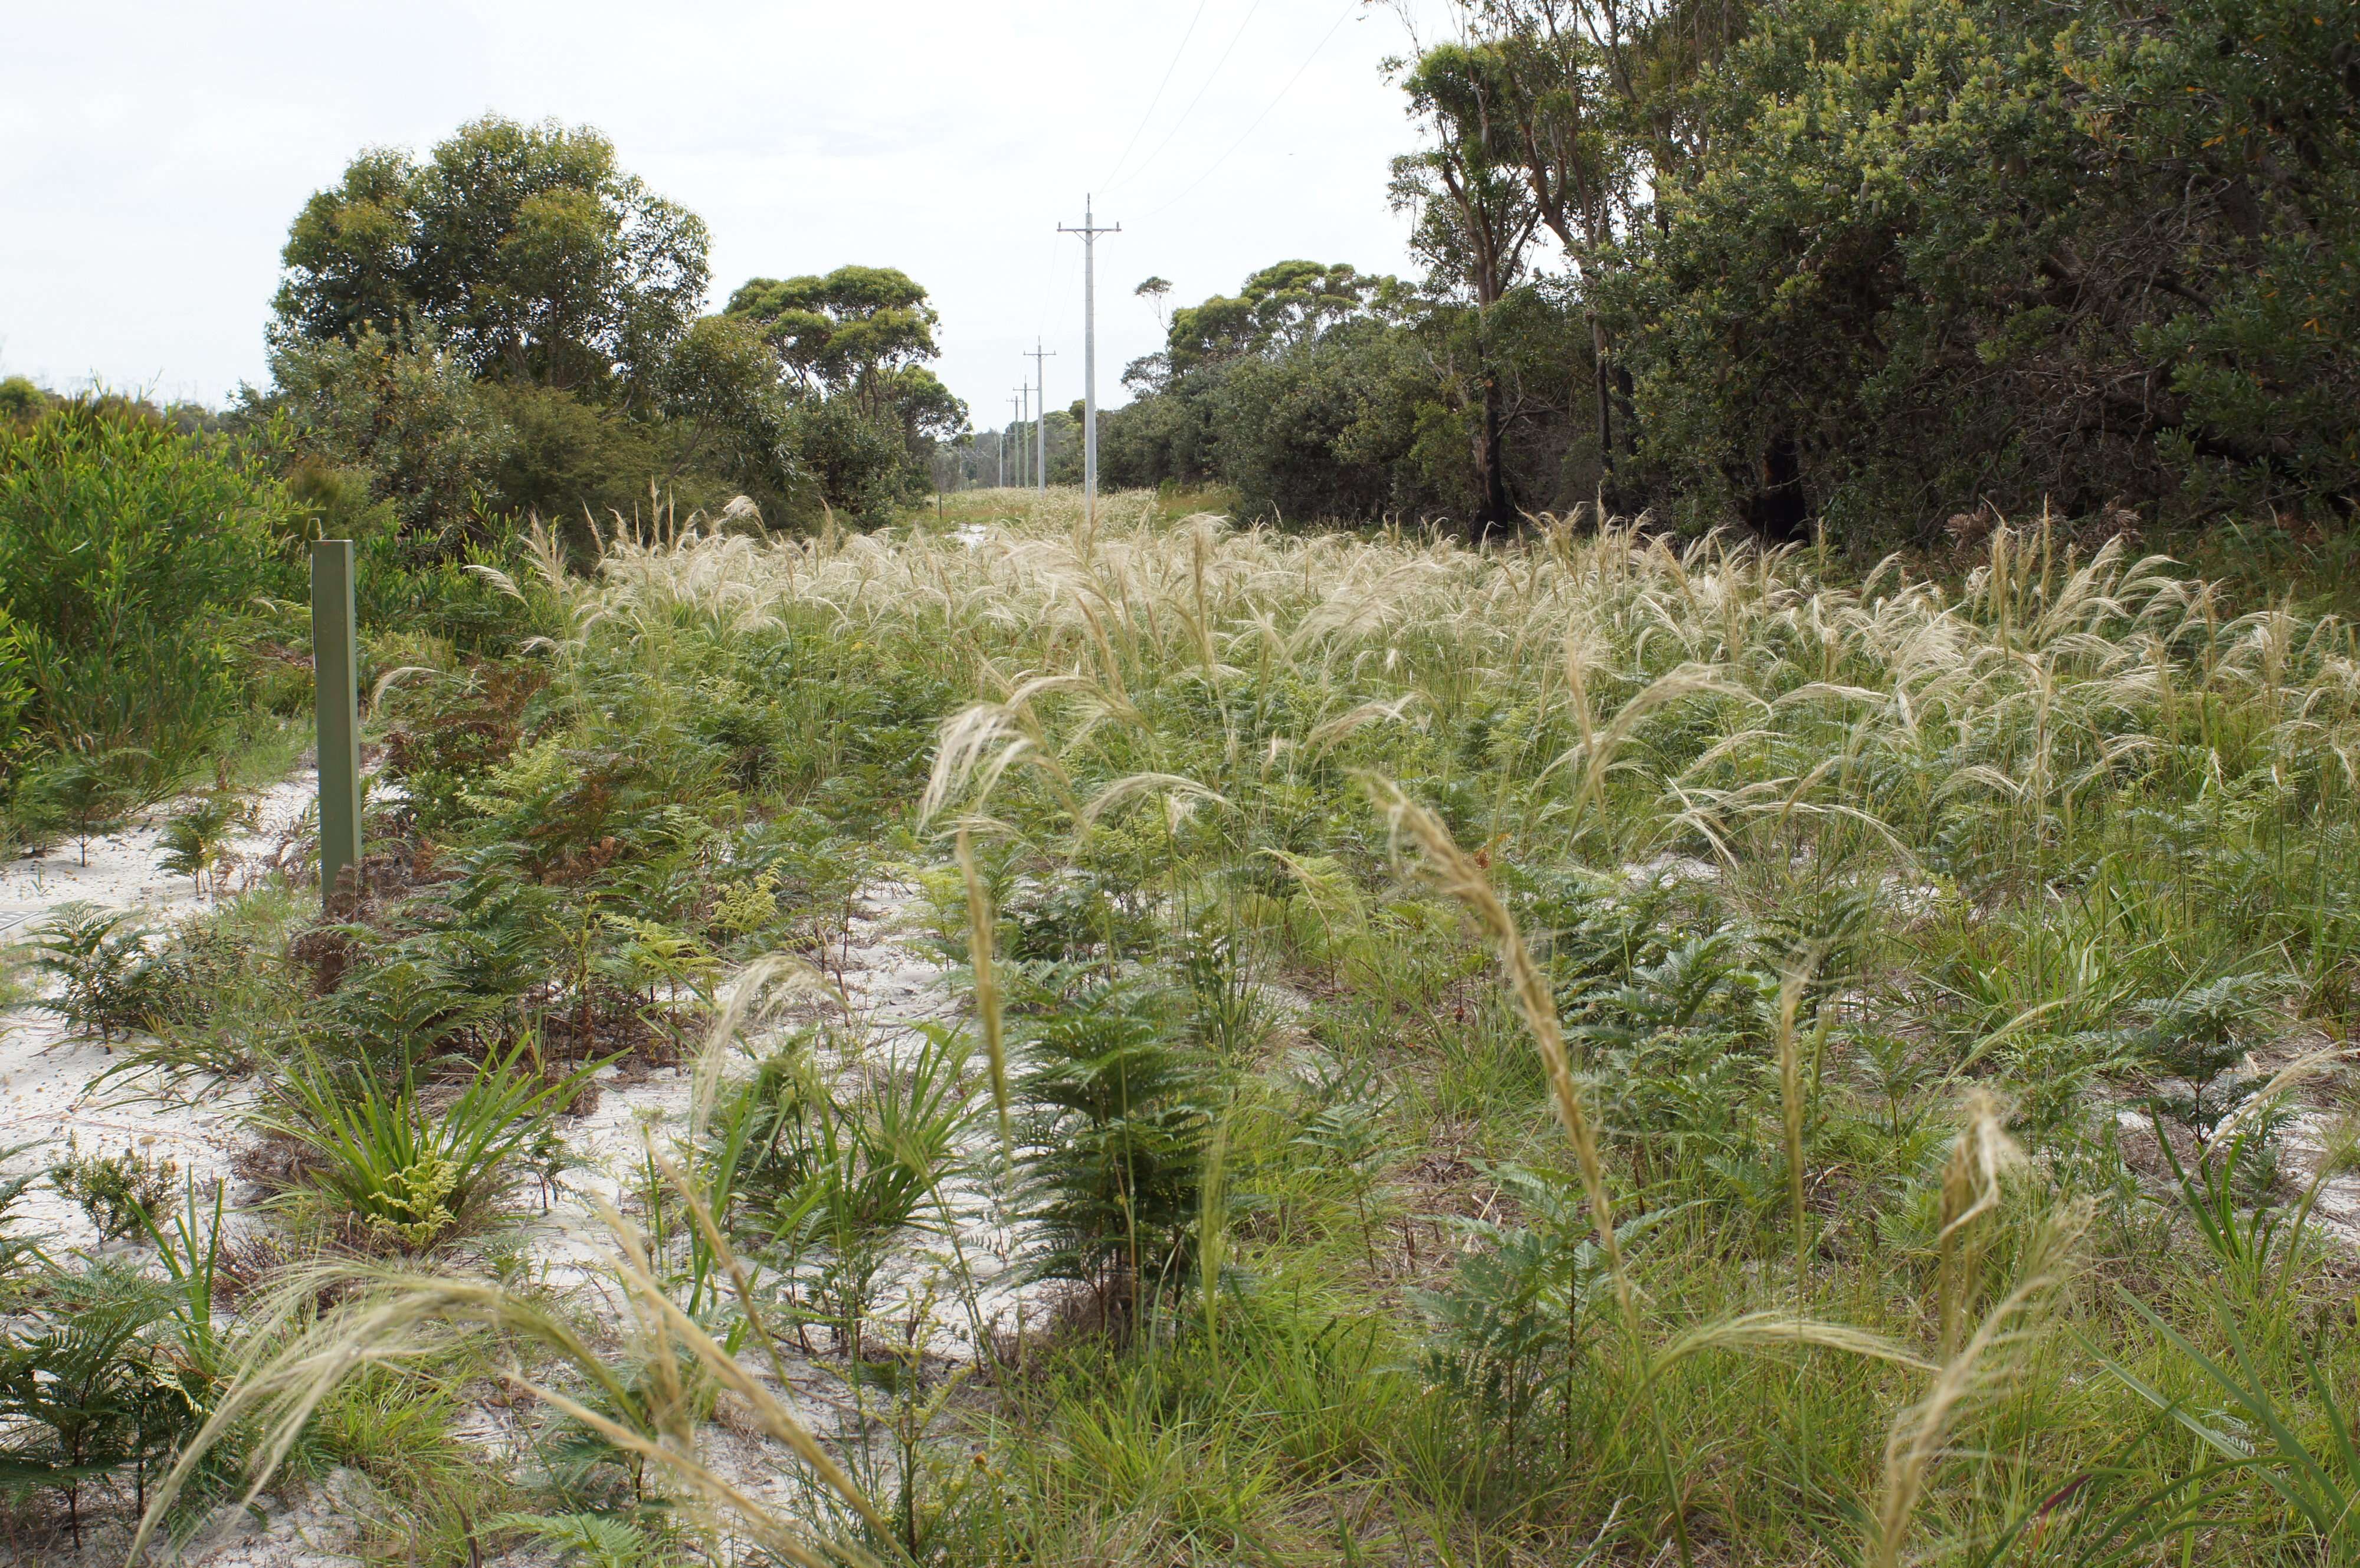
335,675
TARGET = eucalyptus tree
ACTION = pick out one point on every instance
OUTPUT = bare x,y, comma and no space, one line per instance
1279,307
851,346
1567,111
1475,219
525,249
1155,290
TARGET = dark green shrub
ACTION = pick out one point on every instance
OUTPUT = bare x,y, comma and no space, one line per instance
84,789
99,1384
110,983
196,838
861,461
441,740
826,1183
1507,1331
126,551
2199,1036
1116,1137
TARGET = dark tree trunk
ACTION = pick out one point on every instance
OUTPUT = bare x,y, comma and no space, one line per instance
1605,377
1777,509
1626,395
1496,513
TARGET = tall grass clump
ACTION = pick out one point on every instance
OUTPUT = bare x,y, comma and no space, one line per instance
1850,853
1608,1047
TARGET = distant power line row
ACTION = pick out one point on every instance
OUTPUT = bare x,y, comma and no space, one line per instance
1021,400
1034,393
1022,403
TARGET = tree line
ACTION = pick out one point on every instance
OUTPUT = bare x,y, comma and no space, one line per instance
514,324
1874,263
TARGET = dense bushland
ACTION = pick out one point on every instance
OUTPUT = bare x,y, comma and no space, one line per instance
1320,393
1604,1046
153,593
127,555
1936,254
1872,262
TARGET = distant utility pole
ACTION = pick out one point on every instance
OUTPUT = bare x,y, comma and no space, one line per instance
1089,231
1023,407
1041,425
1013,405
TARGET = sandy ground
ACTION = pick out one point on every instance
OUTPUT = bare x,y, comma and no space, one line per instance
49,1086
2305,1141
52,1086
889,985
124,869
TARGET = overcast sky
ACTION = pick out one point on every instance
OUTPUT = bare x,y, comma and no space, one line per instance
155,152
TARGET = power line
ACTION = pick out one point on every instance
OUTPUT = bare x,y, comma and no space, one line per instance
1209,78
1052,276
1258,119
1108,183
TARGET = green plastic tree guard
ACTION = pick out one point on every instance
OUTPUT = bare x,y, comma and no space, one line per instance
335,664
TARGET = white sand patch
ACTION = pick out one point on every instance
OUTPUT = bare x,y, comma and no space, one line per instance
889,986
1670,868
51,1089
52,1086
2306,1140
124,867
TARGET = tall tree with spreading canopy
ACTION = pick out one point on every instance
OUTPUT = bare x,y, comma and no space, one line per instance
1572,126
852,345
1154,290
1283,304
524,249
849,333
